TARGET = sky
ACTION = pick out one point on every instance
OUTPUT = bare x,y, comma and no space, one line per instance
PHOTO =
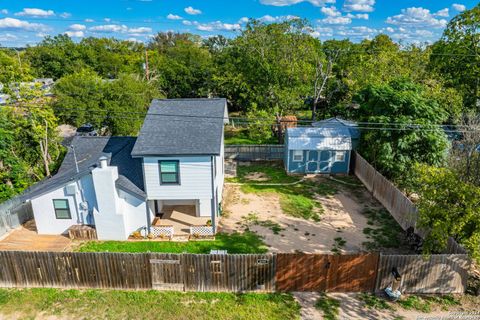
26,22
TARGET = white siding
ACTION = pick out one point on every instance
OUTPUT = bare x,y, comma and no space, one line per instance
44,212
135,212
195,179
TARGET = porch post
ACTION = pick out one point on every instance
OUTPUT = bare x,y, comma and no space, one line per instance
149,222
213,204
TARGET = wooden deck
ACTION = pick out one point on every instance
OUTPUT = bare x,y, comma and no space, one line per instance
181,218
25,238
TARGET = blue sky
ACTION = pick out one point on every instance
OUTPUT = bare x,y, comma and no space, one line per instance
410,21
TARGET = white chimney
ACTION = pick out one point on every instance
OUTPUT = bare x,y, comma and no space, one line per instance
103,162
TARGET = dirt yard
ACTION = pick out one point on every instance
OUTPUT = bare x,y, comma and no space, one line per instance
343,224
342,218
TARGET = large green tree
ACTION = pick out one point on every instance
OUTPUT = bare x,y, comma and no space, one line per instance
447,207
401,127
457,56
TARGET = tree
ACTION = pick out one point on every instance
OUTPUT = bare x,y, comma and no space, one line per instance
30,145
12,69
457,56
408,130
79,98
258,124
446,211
55,57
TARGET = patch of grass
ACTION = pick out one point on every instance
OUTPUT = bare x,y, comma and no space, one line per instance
240,136
338,244
247,242
427,303
329,306
252,219
385,231
297,199
373,302
114,304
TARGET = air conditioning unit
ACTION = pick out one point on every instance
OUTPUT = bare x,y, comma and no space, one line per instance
71,189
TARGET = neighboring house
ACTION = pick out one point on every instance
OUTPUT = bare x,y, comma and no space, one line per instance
167,180
324,148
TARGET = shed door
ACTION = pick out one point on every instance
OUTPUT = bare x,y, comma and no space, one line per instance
325,161
312,161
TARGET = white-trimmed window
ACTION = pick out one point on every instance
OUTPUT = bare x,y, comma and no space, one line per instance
297,155
339,156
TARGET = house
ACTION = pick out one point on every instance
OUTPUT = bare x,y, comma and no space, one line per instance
324,148
168,181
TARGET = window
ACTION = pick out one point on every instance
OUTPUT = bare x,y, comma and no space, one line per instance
169,173
339,156
62,209
297,155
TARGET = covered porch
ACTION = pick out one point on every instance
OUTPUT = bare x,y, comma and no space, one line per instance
176,221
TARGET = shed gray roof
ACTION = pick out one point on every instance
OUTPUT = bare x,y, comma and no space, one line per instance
322,138
339,122
182,127
88,151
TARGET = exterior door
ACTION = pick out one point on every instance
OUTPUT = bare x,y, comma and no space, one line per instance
325,161
312,161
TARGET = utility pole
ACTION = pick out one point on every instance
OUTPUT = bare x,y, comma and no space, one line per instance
147,71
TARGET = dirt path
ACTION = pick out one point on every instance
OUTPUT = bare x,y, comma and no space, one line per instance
342,218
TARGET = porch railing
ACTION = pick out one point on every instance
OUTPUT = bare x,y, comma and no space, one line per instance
162,231
202,231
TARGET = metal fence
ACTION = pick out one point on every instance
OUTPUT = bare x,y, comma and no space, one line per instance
262,152
284,272
398,204
13,213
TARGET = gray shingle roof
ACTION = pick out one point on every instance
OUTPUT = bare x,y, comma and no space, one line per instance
176,127
88,150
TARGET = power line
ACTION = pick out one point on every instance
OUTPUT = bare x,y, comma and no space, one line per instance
269,122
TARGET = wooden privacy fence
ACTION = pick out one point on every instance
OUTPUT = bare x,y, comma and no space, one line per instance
441,273
400,206
284,272
262,152
323,272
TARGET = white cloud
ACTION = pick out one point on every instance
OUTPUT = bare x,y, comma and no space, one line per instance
190,10
442,13
243,20
331,11
140,30
174,17
75,34
35,12
65,15
107,19
8,37
363,16
117,28
416,17
389,29
109,28
283,3
459,7
218,26
337,20
77,27
359,5
358,32
132,39
16,24
187,22
321,32
89,20
4,11
269,19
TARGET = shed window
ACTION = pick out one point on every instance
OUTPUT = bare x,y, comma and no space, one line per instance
169,172
340,156
297,155
62,209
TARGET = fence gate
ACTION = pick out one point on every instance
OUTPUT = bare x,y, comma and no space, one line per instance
167,272
322,272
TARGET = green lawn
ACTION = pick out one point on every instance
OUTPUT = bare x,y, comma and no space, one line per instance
114,304
240,136
297,198
246,242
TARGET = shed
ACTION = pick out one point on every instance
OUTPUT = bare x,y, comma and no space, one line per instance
323,149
